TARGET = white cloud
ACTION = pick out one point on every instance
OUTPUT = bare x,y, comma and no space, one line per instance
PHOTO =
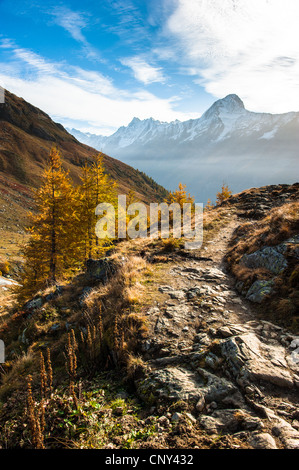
241,46
80,98
92,81
74,22
144,72
34,60
71,21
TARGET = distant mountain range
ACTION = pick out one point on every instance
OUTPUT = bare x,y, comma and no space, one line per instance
227,144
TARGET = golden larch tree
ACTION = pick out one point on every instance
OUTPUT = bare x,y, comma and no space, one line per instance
224,194
53,246
96,187
180,196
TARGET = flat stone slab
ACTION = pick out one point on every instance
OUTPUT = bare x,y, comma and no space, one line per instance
229,420
253,360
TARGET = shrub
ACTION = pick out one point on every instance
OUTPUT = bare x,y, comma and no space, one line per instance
224,194
4,267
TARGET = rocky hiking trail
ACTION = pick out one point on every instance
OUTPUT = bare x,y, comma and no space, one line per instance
209,371
208,350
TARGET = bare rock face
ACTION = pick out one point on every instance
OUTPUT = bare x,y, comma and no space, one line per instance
179,383
229,420
100,269
262,441
259,290
275,260
34,304
253,360
283,429
270,258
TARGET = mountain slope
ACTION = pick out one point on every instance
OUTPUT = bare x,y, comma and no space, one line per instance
26,137
227,143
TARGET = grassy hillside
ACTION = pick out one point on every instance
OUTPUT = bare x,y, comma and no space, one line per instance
27,134
26,137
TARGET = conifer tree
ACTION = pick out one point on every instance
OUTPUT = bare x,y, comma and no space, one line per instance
180,196
224,194
86,210
96,188
105,190
131,199
53,246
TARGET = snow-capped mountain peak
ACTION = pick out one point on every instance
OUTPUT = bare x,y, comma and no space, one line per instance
231,105
226,120
135,121
227,143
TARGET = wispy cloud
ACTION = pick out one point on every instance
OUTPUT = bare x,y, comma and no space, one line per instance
244,47
34,60
128,22
142,71
74,23
80,98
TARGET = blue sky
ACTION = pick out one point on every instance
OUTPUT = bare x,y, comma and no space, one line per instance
94,65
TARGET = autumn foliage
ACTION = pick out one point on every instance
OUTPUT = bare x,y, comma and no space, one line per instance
61,231
224,194
180,196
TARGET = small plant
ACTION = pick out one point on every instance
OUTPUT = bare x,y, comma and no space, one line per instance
116,342
134,365
100,325
91,342
49,314
139,435
171,244
224,194
209,206
4,267
35,419
43,377
50,371
119,406
71,364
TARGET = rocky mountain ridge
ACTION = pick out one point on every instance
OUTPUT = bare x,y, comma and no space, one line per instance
223,119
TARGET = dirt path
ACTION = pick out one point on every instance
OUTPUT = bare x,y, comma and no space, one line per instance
199,290
235,373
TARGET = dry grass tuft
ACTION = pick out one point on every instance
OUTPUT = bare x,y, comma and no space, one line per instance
14,378
134,366
36,419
